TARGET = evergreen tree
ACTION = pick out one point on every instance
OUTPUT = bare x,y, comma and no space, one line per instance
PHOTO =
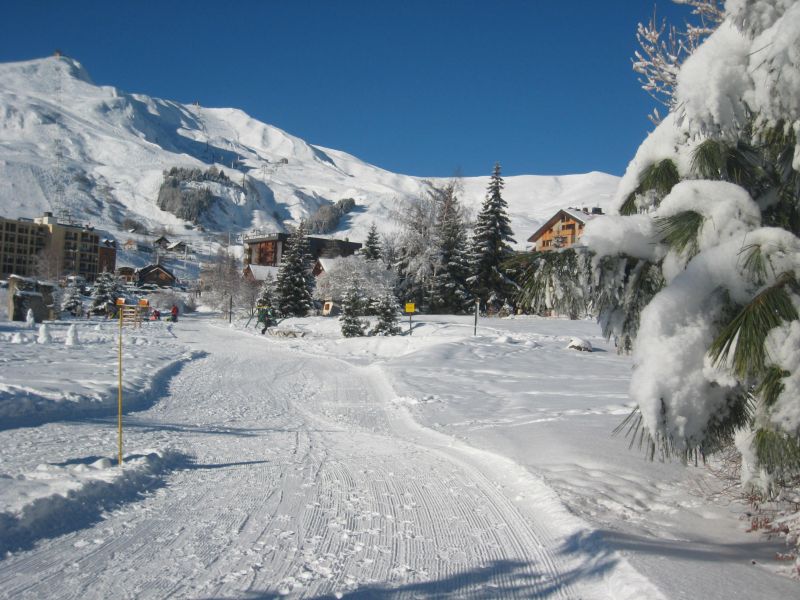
352,326
72,302
266,295
372,245
386,308
295,281
107,288
449,292
703,283
491,246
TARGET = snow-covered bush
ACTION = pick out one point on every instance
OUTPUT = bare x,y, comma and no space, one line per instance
107,288
352,307
71,300
387,309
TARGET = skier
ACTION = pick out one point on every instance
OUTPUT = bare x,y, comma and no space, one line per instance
265,318
174,313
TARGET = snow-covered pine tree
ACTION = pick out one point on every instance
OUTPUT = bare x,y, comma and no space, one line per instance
709,212
352,306
449,291
386,308
372,245
491,246
72,301
266,295
107,288
295,282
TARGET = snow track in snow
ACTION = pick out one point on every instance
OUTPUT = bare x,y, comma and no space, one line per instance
307,480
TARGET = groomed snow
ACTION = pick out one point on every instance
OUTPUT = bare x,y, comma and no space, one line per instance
432,465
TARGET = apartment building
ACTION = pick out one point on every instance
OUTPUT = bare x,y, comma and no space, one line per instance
71,249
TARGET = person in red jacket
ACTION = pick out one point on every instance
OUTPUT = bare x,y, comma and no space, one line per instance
174,313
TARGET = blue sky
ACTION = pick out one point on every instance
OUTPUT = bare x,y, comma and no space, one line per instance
426,88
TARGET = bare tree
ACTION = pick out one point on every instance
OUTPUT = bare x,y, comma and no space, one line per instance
664,47
49,264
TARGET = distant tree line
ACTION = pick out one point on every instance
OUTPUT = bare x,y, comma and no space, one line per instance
326,218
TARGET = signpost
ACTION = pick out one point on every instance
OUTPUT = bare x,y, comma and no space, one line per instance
410,308
132,315
121,310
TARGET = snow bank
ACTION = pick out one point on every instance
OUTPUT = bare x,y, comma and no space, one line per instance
50,381
58,498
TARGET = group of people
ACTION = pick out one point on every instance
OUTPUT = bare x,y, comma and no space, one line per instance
155,314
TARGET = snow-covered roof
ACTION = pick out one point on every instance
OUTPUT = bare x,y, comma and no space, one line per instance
260,272
328,263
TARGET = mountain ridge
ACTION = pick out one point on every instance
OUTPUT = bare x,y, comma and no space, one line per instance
101,153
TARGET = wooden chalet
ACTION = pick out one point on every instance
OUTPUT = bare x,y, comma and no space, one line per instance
178,247
563,229
162,243
127,274
262,248
156,275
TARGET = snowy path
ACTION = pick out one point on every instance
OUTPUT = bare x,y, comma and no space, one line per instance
305,480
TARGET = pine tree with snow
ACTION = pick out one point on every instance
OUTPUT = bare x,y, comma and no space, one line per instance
449,291
352,306
386,309
295,282
372,245
491,246
266,295
107,288
700,268
72,301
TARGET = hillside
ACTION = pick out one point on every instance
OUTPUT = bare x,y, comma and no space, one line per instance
101,154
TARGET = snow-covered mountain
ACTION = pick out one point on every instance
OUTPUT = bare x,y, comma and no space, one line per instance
100,153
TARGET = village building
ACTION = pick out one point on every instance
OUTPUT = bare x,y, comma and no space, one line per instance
73,249
107,255
155,275
259,273
162,243
127,274
563,229
178,248
264,248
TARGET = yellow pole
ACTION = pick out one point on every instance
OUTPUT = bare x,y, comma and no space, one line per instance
119,391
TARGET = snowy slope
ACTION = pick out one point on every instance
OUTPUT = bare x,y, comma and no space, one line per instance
100,153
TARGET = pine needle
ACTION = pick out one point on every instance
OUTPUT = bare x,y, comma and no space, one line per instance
680,231
742,340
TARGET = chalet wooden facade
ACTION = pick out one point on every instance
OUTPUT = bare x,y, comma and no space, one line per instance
563,229
156,275
266,249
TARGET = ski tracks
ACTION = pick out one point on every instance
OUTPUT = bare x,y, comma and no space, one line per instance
304,482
